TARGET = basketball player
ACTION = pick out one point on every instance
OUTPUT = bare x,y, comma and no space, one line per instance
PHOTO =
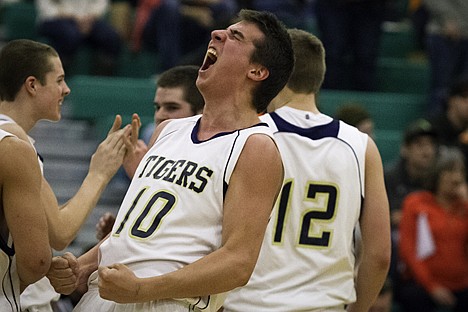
22,220
177,96
192,221
32,88
333,181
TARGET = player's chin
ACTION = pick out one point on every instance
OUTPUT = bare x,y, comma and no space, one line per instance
57,116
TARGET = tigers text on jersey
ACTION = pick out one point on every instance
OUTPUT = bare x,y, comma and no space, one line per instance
10,287
307,258
172,213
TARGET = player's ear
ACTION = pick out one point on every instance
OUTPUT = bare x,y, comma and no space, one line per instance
258,73
30,84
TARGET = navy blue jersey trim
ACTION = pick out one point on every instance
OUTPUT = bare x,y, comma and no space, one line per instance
315,133
225,183
7,281
196,128
10,251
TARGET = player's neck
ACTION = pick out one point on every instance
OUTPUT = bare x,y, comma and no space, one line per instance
301,101
305,102
215,121
21,117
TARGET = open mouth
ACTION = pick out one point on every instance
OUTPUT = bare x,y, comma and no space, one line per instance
210,58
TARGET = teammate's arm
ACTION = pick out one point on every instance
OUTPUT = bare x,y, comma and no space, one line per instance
65,221
375,230
66,274
20,182
252,191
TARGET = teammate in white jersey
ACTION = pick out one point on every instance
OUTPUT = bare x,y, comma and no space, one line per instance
22,220
192,222
32,88
333,181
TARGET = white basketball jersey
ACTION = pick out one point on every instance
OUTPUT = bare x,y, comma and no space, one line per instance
172,213
307,258
4,119
10,287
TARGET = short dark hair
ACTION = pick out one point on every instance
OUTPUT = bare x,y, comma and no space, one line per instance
185,77
309,67
275,52
418,128
20,59
352,113
449,159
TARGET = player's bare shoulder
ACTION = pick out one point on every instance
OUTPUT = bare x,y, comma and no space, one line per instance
16,154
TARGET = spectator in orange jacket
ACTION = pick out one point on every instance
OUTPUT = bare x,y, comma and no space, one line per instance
434,240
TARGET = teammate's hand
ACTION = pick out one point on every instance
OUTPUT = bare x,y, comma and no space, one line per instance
134,157
104,225
136,148
110,153
63,273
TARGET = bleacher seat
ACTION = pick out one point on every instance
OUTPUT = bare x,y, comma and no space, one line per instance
398,40
388,142
391,113
390,110
19,20
402,75
93,97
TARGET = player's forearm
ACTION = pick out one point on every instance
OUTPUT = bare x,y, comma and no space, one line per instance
216,273
372,274
73,214
88,263
130,166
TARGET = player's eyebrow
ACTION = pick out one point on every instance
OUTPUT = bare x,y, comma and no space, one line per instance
236,33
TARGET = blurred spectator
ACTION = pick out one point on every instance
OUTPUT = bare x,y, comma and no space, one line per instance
357,115
418,153
434,232
179,28
121,17
70,24
294,13
452,125
447,46
350,31
419,17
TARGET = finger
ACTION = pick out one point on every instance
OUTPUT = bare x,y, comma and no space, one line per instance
108,216
128,142
103,272
62,275
117,124
135,130
63,289
135,116
115,139
59,263
72,261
